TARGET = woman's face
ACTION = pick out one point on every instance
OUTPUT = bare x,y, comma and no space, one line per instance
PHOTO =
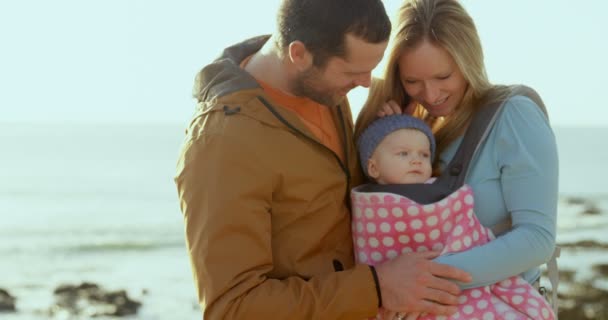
431,77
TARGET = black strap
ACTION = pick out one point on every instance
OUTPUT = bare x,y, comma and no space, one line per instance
455,172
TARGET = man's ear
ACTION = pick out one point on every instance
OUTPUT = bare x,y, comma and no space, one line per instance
372,169
299,55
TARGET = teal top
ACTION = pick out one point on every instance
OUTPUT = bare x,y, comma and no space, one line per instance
514,174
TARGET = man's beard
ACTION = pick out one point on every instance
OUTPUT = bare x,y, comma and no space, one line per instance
304,86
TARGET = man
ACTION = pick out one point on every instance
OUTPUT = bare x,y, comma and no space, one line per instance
266,169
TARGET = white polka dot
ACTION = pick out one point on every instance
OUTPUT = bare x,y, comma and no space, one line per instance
456,315
438,246
533,312
457,206
443,202
470,214
462,299
362,257
457,231
373,242
369,213
404,239
467,241
422,249
506,283
371,228
391,254
468,199
445,214
406,250
482,304
455,194
360,242
475,235
413,211
447,227
376,256
428,208
416,224
471,223
520,290
533,302
385,227
488,316
468,309
521,281
434,234
476,294
397,212
400,226
441,318
459,217
431,221
358,213
456,245
510,316
360,227
382,213
419,237
388,241
545,313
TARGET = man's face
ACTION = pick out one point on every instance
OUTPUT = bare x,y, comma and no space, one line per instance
330,84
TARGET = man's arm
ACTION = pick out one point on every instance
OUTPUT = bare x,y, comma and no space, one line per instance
228,229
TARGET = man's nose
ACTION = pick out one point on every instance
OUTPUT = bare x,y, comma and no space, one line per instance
364,80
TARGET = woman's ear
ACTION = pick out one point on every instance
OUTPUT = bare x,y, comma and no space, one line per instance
299,56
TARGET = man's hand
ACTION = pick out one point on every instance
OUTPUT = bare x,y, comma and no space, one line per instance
413,283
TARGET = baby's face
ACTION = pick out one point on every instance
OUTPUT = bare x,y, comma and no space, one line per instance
404,156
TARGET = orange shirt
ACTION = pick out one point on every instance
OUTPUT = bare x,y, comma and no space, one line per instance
316,117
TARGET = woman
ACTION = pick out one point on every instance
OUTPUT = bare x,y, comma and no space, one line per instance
436,72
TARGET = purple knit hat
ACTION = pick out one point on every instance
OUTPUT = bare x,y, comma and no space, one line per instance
380,128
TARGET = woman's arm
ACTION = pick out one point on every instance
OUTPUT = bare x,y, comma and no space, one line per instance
523,150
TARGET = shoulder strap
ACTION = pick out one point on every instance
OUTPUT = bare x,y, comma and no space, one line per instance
456,171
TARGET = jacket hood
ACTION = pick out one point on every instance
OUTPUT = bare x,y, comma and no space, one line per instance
224,75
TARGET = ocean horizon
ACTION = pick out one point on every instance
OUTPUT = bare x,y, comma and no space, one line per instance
97,203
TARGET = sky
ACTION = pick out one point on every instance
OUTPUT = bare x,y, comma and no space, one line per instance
134,61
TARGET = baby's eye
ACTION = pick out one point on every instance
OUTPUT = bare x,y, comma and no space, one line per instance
426,155
402,153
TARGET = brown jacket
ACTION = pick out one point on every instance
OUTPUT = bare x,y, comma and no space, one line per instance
265,205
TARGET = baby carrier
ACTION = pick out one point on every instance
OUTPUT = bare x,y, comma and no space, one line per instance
452,179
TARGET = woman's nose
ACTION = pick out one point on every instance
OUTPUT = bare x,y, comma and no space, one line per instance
431,93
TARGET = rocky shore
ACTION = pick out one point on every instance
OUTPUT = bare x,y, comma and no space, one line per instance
583,290
82,301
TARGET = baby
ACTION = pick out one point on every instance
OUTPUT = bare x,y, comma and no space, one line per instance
398,150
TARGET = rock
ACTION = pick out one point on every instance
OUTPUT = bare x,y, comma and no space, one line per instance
7,302
591,209
588,244
88,299
602,269
584,302
576,200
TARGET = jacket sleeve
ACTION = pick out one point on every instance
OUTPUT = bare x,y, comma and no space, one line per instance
228,233
525,152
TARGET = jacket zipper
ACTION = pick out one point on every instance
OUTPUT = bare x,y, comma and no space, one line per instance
289,125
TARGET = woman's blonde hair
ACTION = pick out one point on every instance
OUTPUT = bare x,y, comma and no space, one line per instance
444,23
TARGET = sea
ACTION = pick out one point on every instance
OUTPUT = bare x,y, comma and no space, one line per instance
97,203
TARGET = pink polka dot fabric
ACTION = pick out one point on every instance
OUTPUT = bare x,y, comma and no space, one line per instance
386,225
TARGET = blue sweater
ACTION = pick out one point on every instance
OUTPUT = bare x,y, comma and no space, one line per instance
516,174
